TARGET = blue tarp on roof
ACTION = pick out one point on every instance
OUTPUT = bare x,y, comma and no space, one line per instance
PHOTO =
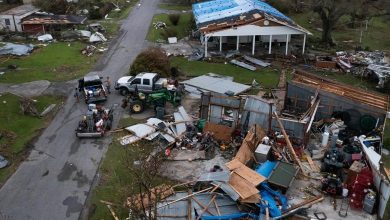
220,9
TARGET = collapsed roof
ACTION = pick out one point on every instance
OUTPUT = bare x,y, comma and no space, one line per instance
222,14
45,18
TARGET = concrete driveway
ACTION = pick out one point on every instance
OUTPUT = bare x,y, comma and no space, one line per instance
55,180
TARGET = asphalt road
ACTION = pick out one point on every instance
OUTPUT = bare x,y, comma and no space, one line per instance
55,180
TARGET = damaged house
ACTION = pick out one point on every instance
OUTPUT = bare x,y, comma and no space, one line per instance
12,18
42,22
236,22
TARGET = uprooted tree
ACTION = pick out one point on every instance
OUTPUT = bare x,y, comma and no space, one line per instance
151,60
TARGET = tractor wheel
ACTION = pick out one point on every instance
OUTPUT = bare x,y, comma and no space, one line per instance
123,91
136,107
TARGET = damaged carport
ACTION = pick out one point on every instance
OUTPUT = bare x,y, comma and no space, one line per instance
253,110
345,101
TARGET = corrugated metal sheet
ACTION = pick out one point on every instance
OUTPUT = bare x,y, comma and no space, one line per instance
329,103
228,190
229,102
215,114
215,176
226,205
258,112
293,128
178,209
216,84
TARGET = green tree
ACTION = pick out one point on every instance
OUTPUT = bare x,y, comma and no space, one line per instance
330,11
151,60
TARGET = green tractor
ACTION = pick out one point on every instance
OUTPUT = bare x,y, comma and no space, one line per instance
139,101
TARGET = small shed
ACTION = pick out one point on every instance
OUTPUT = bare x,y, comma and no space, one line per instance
246,21
49,23
12,18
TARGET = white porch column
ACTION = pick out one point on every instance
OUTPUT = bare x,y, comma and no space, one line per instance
220,43
205,45
288,38
238,42
270,44
253,45
304,44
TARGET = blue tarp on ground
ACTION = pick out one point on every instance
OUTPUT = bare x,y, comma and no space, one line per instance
266,168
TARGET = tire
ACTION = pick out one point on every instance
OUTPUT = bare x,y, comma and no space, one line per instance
123,91
136,107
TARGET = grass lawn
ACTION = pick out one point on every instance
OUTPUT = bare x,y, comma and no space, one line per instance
55,62
175,7
115,175
375,37
23,127
182,29
267,77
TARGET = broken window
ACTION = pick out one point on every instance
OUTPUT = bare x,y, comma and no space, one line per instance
7,22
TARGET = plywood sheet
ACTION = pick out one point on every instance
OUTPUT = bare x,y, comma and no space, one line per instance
250,175
255,198
244,188
252,139
220,132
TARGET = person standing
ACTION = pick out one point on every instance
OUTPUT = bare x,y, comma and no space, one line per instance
108,84
77,94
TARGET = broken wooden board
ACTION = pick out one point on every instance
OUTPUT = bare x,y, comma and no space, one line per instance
250,175
245,172
233,164
255,198
243,65
256,61
220,132
313,166
248,147
157,193
244,188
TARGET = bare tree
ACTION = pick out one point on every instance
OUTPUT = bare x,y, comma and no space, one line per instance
330,11
144,194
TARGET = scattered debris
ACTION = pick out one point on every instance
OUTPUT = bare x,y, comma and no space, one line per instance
172,40
159,25
28,107
3,162
16,49
243,65
97,37
256,61
96,27
45,38
47,110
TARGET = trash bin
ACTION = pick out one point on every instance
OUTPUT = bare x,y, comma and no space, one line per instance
160,112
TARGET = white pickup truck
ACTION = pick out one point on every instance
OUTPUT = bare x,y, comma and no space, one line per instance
144,82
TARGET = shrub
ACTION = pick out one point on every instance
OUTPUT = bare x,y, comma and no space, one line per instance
169,32
174,18
151,60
